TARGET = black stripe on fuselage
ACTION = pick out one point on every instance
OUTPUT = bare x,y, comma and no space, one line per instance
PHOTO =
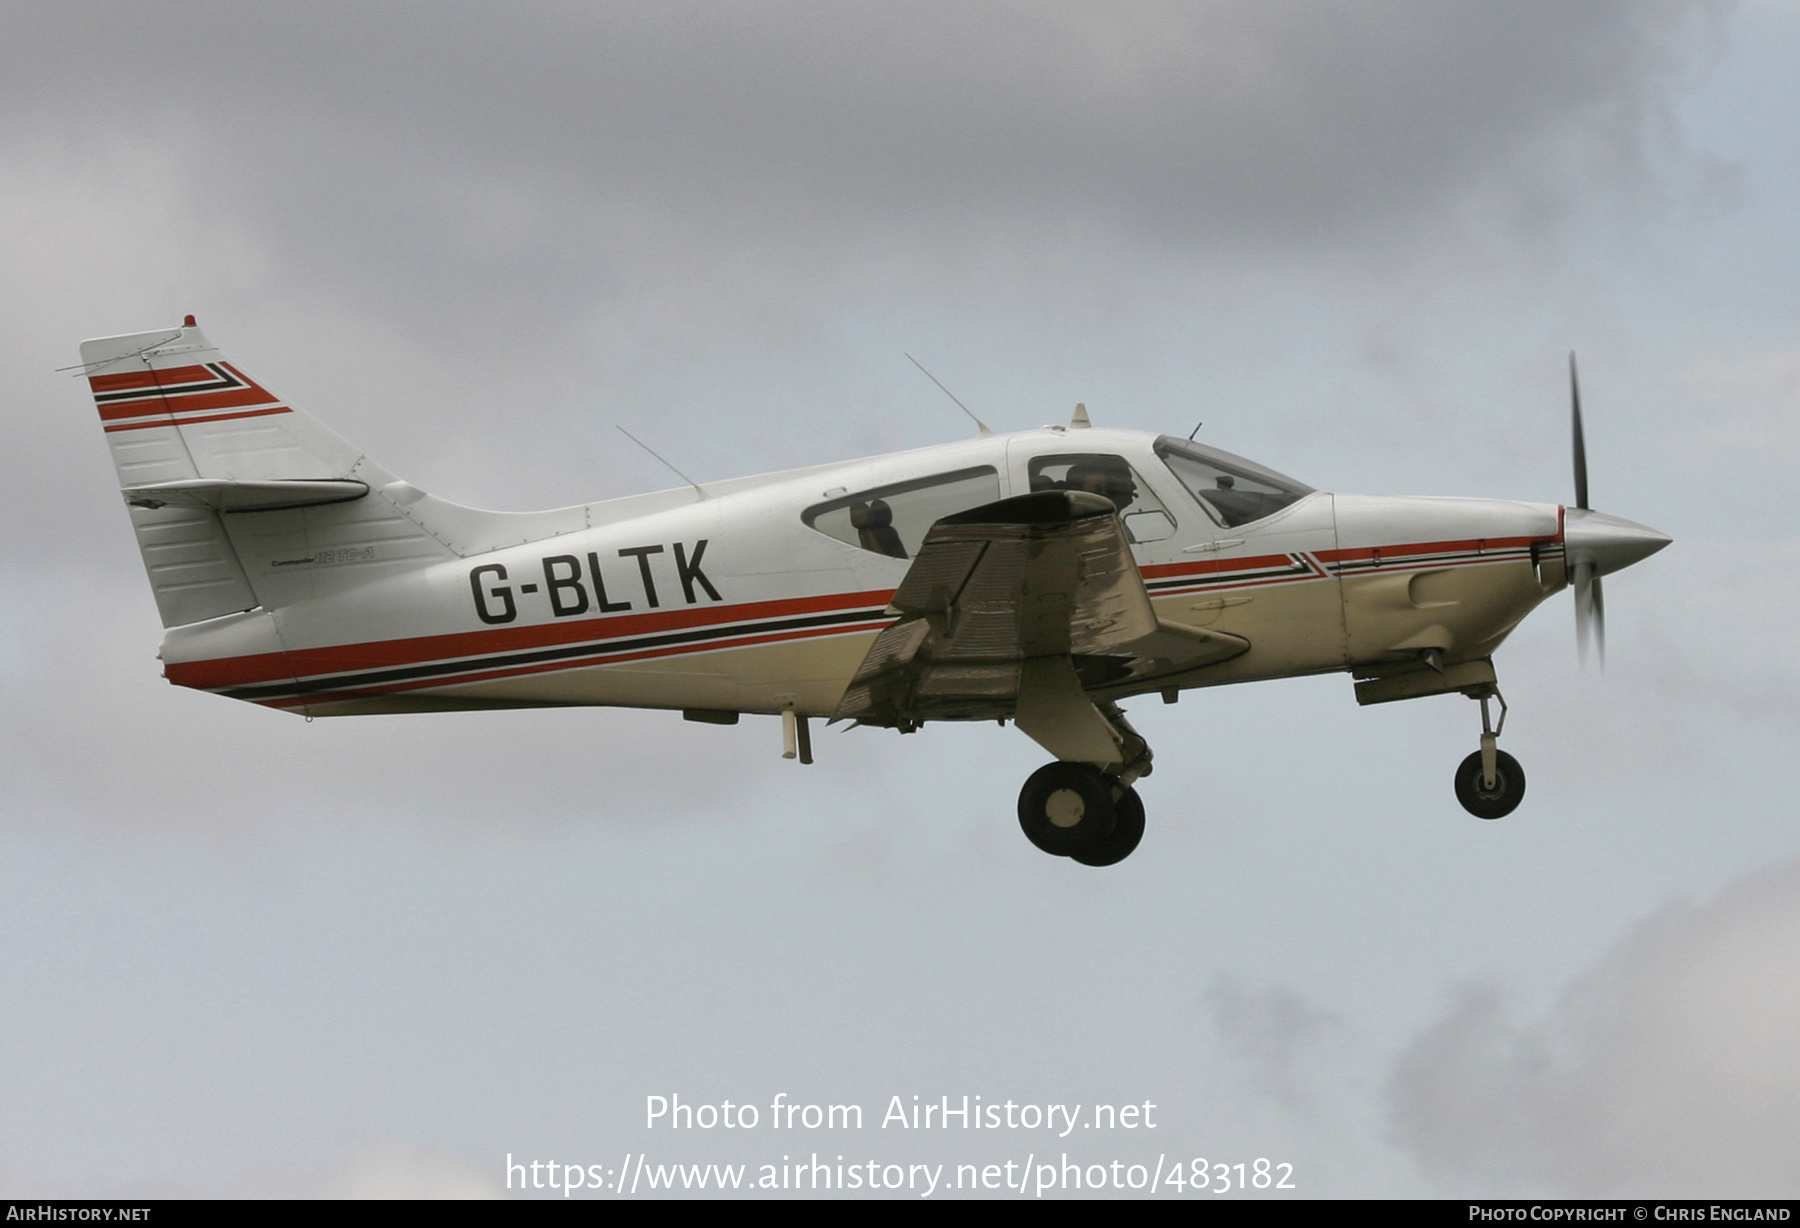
569,652
1297,569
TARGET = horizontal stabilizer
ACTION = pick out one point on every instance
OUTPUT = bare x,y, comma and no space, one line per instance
228,495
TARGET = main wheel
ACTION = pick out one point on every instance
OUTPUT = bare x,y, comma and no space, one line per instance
1503,798
1128,829
1066,807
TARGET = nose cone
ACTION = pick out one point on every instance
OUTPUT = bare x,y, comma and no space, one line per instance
1610,543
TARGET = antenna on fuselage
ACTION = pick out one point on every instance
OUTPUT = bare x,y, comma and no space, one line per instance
1195,431
653,452
934,379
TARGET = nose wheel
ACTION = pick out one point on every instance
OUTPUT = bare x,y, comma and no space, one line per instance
1490,784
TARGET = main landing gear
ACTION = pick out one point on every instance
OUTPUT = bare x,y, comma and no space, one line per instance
1078,811
1075,810
1490,783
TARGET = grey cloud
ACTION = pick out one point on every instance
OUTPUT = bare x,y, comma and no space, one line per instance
547,146
1272,1030
1672,1068
612,212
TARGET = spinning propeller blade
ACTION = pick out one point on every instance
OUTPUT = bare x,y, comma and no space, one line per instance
1590,612
1584,577
1580,441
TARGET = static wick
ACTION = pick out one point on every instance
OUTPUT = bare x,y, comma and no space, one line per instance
940,383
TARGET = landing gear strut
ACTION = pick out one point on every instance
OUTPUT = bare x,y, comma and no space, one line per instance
1490,783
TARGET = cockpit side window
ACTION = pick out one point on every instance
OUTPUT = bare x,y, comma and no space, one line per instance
1233,491
1144,516
893,520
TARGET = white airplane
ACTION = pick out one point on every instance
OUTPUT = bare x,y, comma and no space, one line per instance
1041,577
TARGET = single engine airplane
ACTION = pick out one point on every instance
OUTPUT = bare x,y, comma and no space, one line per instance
1041,577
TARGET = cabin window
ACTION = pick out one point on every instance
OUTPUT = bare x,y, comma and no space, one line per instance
893,520
1142,513
1232,490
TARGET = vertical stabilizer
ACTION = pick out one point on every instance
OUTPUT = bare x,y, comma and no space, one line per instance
224,478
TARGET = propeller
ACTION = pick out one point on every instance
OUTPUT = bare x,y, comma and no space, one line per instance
1584,575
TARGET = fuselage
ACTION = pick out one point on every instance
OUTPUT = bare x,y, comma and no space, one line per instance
764,594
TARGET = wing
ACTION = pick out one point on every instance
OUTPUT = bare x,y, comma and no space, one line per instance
1019,608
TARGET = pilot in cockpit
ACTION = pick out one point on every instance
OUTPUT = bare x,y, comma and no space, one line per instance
1104,475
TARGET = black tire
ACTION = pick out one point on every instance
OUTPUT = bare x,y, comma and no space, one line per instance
1503,798
1117,845
1066,807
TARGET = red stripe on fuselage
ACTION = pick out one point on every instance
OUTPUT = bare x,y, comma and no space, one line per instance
1163,571
382,654
1473,545
548,667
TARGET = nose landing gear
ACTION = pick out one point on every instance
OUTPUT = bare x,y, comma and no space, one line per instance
1490,783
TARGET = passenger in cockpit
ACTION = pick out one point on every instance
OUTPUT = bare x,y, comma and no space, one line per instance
874,525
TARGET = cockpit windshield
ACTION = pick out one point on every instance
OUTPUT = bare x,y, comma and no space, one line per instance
1233,491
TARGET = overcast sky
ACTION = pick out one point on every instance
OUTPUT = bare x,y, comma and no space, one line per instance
248,954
